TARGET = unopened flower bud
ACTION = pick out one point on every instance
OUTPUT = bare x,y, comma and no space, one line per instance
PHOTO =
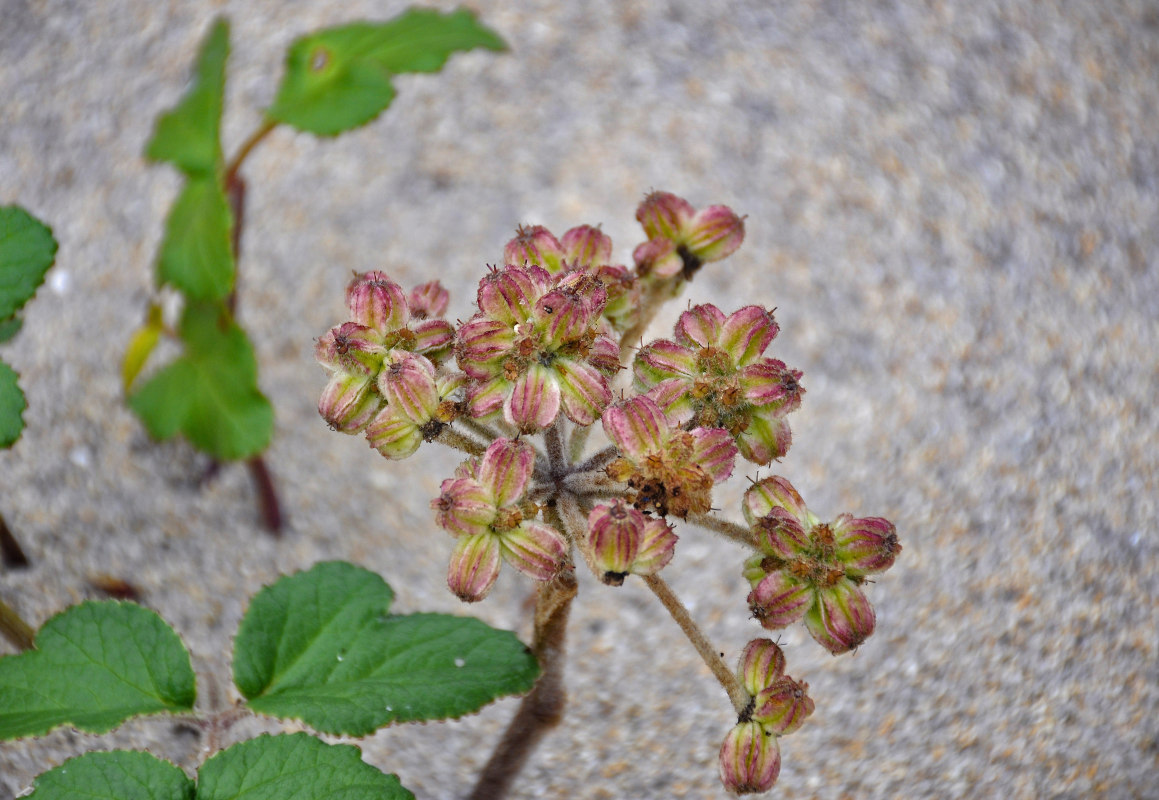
761,663
842,618
428,300
378,302
866,545
714,233
586,246
782,706
613,540
534,245
779,600
474,567
349,403
750,759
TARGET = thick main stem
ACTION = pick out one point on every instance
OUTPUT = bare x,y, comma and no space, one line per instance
727,678
542,708
15,629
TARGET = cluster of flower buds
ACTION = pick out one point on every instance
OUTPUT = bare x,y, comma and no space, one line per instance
386,365
552,325
484,507
806,569
715,375
750,758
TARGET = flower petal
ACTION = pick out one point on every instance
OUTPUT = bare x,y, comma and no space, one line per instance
534,400
506,468
535,549
474,566
583,390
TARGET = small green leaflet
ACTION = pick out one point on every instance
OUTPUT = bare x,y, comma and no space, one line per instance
119,775
339,78
27,250
94,666
296,766
209,394
196,256
189,136
12,405
320,646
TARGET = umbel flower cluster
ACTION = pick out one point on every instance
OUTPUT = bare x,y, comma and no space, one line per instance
554,352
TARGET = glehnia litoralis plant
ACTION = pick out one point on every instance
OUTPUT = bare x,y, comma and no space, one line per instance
519,387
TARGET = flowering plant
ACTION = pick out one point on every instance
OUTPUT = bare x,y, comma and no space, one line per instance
519,387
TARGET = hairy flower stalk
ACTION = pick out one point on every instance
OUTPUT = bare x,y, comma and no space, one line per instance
538,359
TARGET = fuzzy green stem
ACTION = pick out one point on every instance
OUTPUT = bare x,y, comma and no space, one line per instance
484,432
454,439
15,629
577,442
726,528
598,461
553,441
655,296
727,678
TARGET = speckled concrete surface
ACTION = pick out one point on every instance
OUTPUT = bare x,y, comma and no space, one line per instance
955,209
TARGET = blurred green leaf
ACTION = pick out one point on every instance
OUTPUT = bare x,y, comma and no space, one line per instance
27,250
196,255
320,646
12,405
116,775
210,394
141,346
10,327
189,136
94,666
339,78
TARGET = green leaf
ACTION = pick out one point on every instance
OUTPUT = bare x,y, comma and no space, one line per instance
12,405
210,394
319,646
116,775
294,766
339,78
94,666
141,346
10,327
27,250
196,256
189,136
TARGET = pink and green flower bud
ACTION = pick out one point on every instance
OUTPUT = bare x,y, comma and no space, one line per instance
464,507
780,534
535,549
775,492
746,333
486,399
351,349
772,386
534,400
656,548
509,294
664,215
662,360
562,315
428,300
767,436
657,259
614,535
482,346
842,618
865,546
535,245
624,292
505,469
433,338
584,391
714,451
779,600
782,706
637,427
394,434
349,403
586,246
408,382
750,759
377,302
762,663
474,566
714,233
700,326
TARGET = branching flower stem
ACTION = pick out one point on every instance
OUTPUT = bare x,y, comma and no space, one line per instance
458,441
726,677
726,528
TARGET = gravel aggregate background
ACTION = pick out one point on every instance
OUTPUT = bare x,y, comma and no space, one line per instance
954,208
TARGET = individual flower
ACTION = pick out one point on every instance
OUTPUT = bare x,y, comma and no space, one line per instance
682,239
482,506
806,569
418,405
750,758
668,469
538,346
715,374
621,540
382,326
582,246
